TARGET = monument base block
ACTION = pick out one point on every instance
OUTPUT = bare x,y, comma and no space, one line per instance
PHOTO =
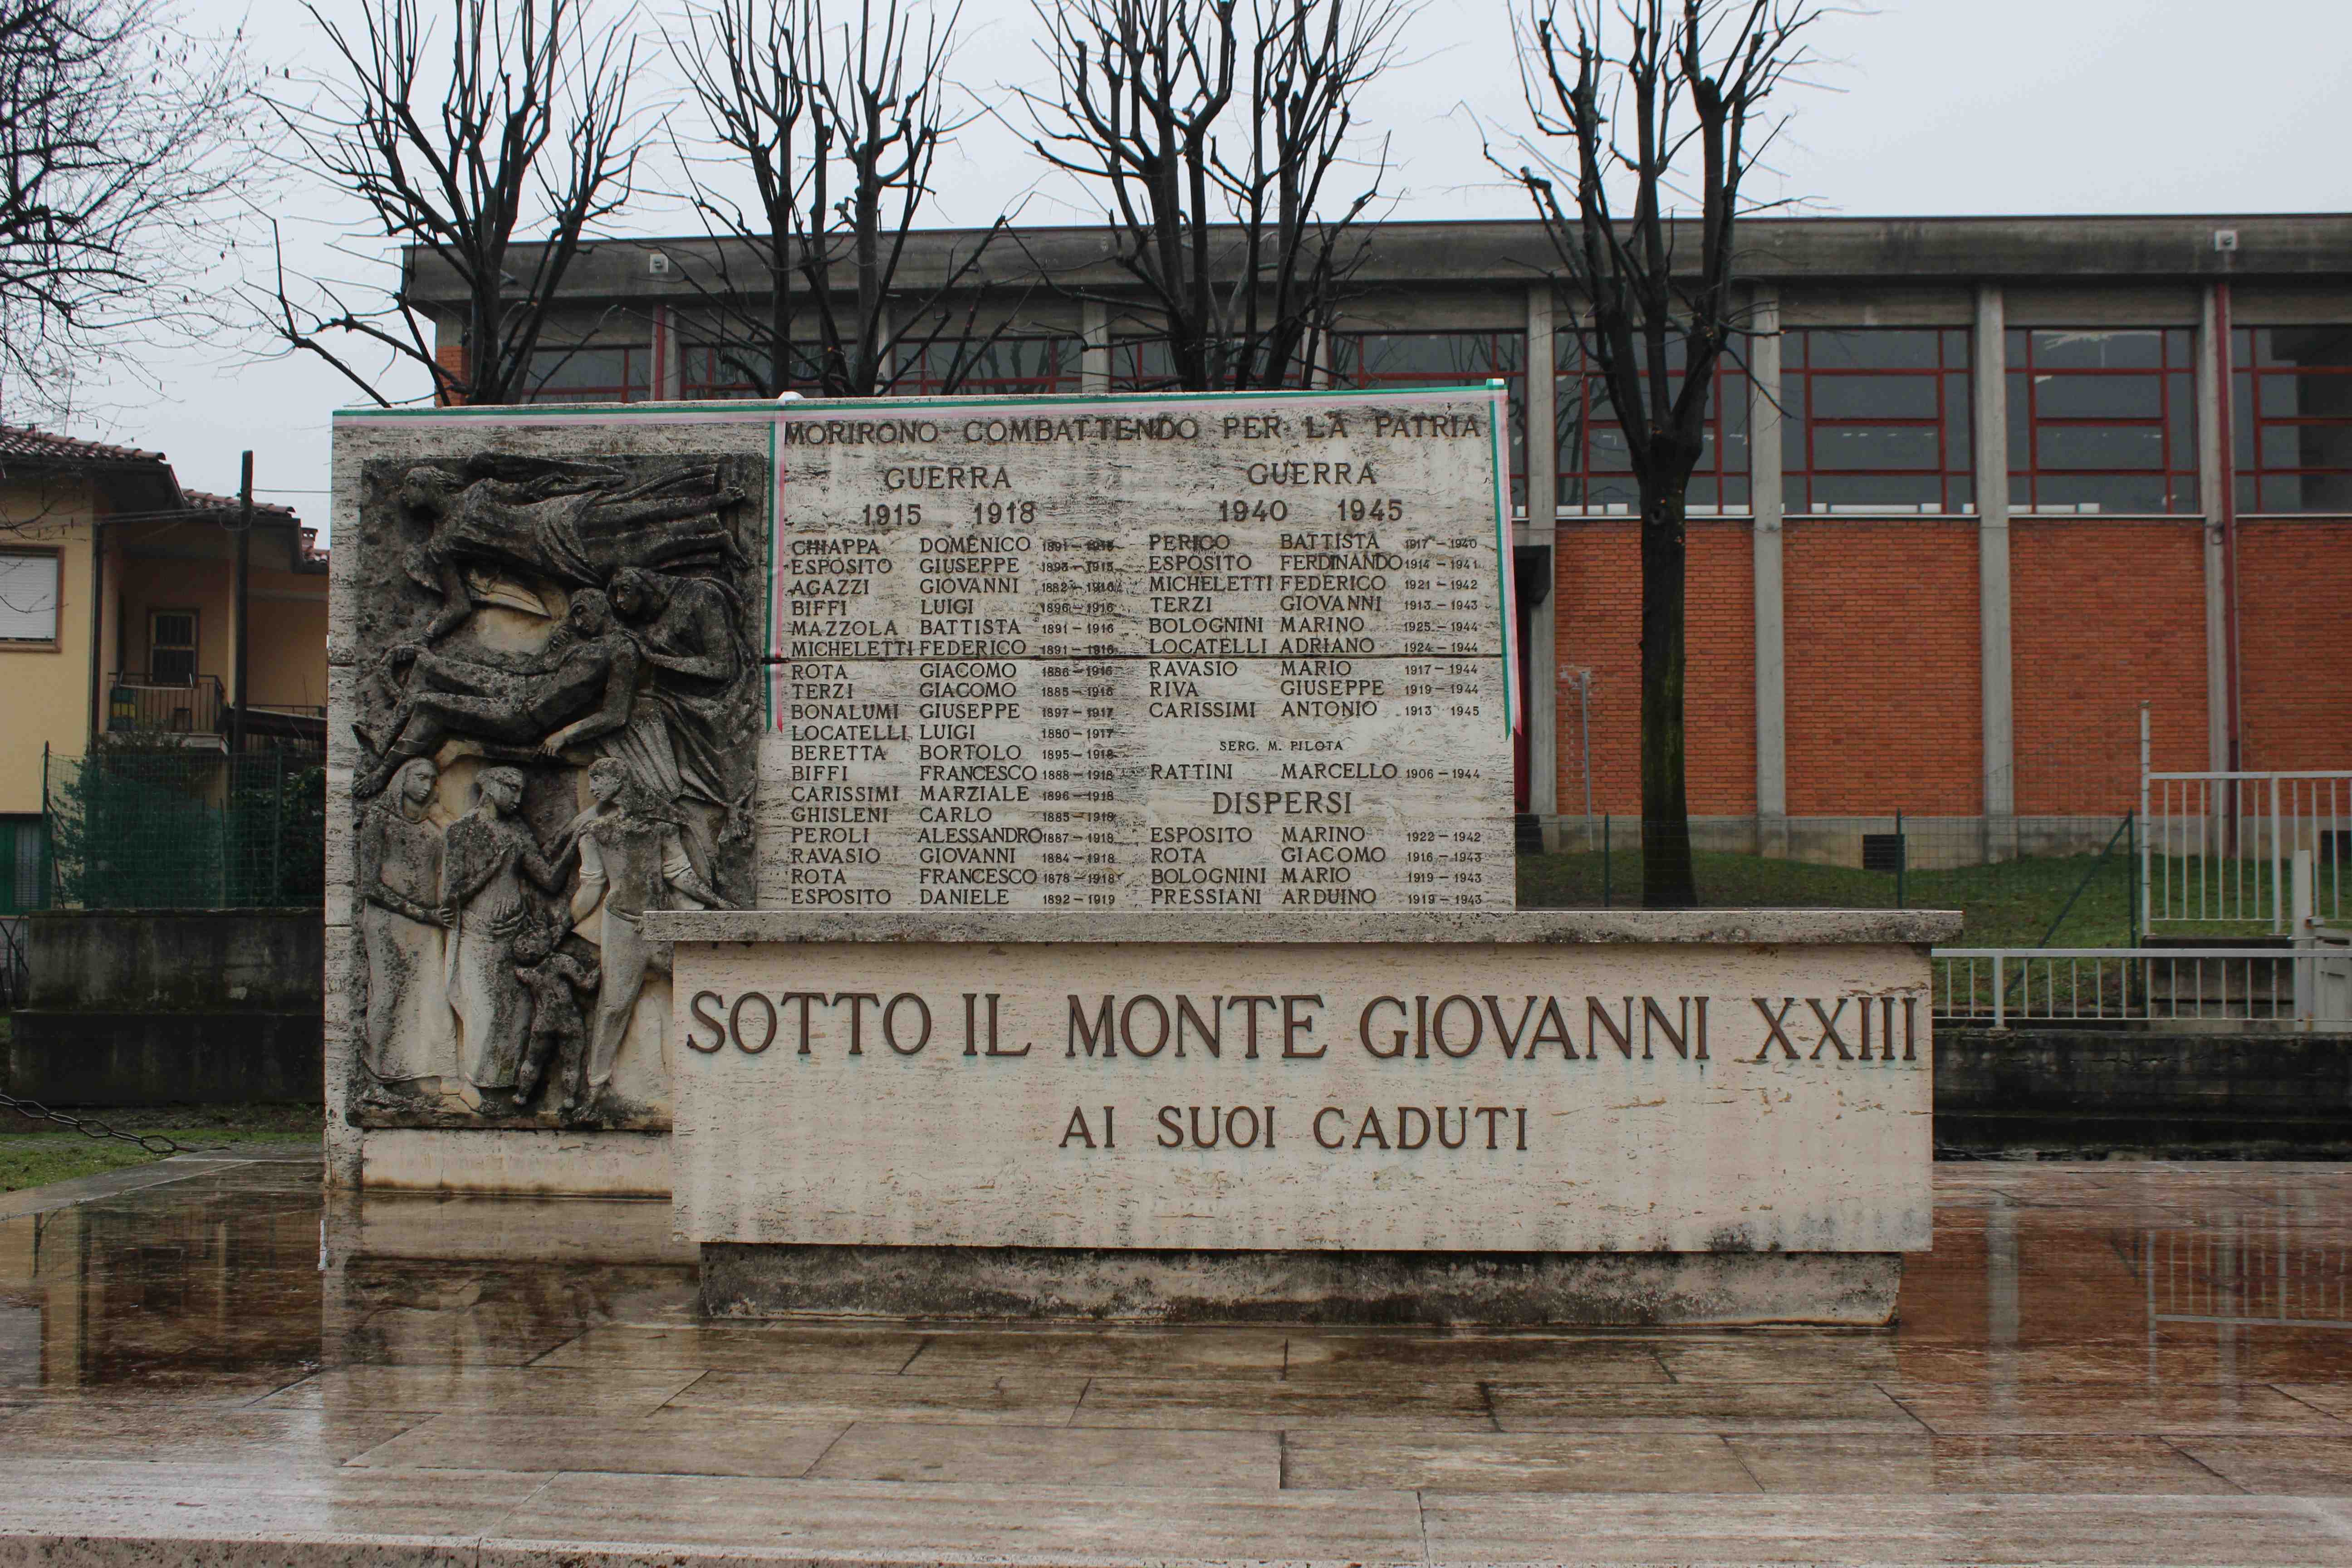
1850,1290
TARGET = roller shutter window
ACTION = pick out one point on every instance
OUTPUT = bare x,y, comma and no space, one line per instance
29,597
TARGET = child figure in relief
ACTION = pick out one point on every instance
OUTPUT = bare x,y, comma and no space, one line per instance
558,1032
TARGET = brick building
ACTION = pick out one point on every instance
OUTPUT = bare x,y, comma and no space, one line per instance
1979,488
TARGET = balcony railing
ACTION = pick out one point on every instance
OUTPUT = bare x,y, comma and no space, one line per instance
139,701
197,708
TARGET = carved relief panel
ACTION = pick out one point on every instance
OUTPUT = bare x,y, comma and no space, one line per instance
557,693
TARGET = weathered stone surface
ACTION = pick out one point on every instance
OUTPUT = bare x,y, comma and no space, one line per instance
1464,1096
1097,802
1769,928
1246,654
545,703
1328,524
1853,1289
500,1159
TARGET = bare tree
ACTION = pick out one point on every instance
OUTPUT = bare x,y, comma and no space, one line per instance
840,129
1660,105
497,163
125,150
1211,133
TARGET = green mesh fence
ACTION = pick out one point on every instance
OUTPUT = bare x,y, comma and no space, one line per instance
179,829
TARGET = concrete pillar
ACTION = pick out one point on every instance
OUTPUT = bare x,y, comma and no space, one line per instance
1542,651
1094,354
667,382
1766,502
2213,475
1991,461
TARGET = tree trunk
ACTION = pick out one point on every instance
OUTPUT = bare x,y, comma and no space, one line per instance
1667,883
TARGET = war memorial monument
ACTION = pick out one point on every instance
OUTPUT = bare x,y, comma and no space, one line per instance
1048,858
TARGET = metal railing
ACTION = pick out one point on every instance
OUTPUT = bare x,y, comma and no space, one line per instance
2216,848
141,701
2304,986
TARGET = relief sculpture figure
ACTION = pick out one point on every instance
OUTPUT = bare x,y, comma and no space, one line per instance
489,854
558,1033
683,737
575,523
578,689
632,859
406,1028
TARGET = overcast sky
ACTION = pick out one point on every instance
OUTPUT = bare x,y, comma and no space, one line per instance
1924,107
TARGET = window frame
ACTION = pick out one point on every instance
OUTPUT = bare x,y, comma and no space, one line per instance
195,647
1576,387
536,391
2247,371
690,390
1954,473
1514,379
55,640
2026,457
913,383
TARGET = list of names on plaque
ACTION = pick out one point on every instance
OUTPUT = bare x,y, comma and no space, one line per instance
1241,652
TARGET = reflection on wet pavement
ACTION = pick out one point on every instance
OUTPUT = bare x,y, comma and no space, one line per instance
2093,1363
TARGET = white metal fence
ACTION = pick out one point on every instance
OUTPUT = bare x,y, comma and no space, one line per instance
2217,850
2307,986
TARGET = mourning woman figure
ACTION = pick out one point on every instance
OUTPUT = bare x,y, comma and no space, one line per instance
407,1026
489,854
631,860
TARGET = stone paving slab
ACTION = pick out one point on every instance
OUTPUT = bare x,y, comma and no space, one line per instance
731,1347
1026,1400
854,1520
489,1390
1449,1404
1696,1408
1877,1463
1965,1529
391,1517
131,1513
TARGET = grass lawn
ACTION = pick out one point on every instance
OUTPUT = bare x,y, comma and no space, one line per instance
35,1153
2011,904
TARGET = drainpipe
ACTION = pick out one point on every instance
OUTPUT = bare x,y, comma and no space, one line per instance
244,608
2223,347
97,619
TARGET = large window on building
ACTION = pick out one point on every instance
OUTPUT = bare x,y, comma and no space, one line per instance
1141,364
1596,467
29,597
1144,365
1876,419
708,371
597,375
2102,420
2290,418
1004,367
1443,359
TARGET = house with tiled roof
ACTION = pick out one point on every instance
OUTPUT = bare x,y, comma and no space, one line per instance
121,616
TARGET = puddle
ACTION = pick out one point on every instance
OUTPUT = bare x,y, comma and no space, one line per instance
234,1283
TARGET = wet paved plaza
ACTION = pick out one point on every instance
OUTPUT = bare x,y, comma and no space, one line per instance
2098,1364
